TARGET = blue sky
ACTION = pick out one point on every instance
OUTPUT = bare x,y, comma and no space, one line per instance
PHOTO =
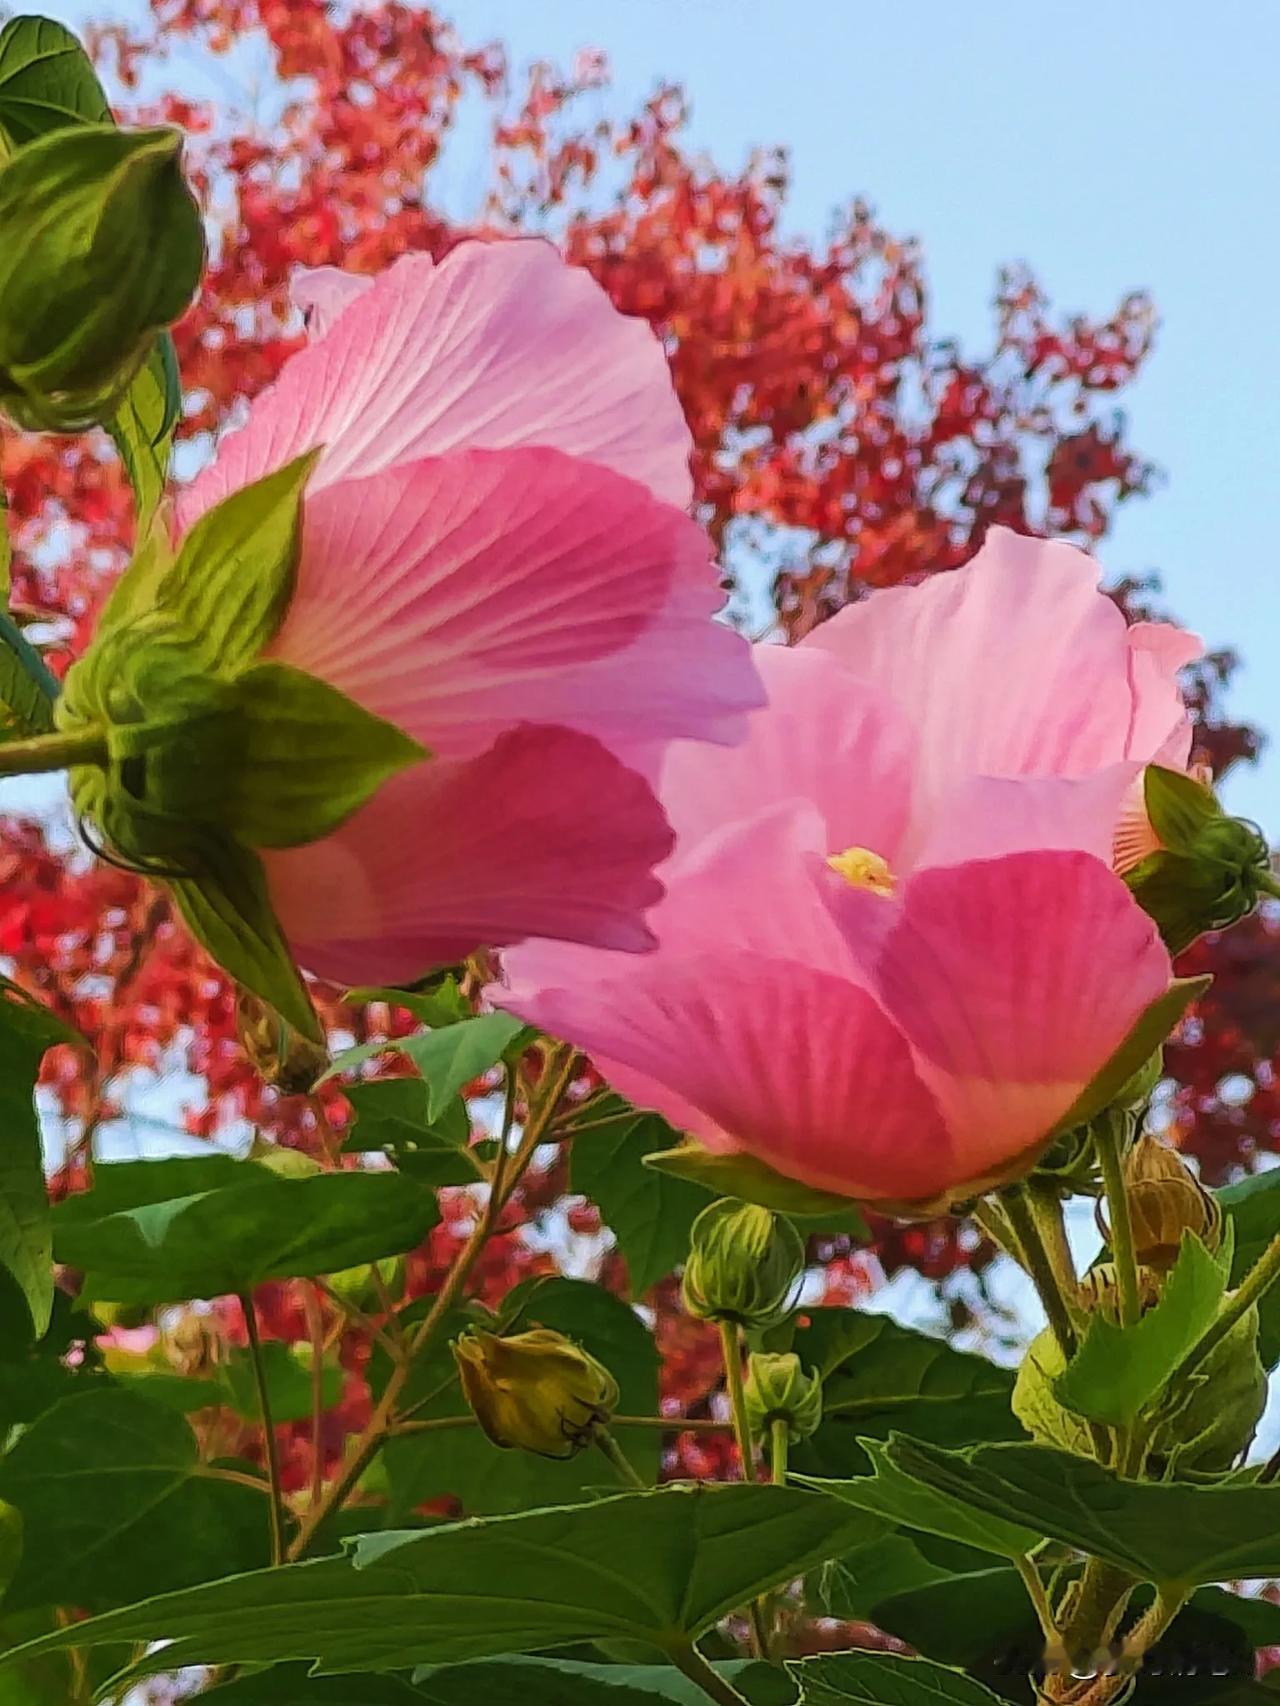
1113,145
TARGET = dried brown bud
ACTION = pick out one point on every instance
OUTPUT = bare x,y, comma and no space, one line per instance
1166,1200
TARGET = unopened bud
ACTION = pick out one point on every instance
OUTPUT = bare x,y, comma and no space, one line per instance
1166,1200
745,1265
1210,869
101,246
535,1391
777,1389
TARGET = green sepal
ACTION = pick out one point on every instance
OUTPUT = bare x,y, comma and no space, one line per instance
1178,806
28,689
142,428
227,908
1151,1029
749,1180
311,758
101,246
234,576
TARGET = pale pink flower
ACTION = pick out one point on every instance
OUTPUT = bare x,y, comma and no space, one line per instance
893,952
496,557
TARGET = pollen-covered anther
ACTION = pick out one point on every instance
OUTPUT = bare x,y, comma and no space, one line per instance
863,869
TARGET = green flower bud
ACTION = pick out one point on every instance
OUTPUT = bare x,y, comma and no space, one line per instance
1202,1430
101,246
745,1264
1210,869
536,1391
778,1390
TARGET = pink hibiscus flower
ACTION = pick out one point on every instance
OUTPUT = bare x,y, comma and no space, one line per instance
496,558
893,952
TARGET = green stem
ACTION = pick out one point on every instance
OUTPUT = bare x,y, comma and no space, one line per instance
1144,1635
731,1351
1101,1595
1036,1260
687,1659
779,1444
623,1465
1256,1283
1107,1149
361,1452
1046,1210
53,752
270,1447
406,1423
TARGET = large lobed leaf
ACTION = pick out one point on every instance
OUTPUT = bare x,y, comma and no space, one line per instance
229,1236
657,1567
878,1376
116,1504
1004,1498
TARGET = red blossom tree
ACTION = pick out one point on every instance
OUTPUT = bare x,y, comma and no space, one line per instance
841,444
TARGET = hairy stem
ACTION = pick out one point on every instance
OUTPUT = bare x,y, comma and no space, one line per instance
731,1352
1107,1149
361,1452
270,1447
779,1445
39,753
1036,1260
1055,1651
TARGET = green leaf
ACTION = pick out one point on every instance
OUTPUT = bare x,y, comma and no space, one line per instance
749,1180
658,1567
143,426
231,1239
227,908
881,1679
26,1031
234,576
898,1493
485,1682
1253,1208
27,687
448,1058
313,757
443,1004
116,1504
46,81
1118,1370
391,1115
878,1376
1174,1533
487,1480
649,1212
1151,1030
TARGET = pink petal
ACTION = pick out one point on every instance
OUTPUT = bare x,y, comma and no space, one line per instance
1015,980
785,1061
459,595
1013,665
323,292
1160,731
545,834
986,817
824,737
501,345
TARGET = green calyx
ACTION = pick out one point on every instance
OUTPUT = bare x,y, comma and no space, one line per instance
745,1265
777,1389
210,753
1211,869
101,246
